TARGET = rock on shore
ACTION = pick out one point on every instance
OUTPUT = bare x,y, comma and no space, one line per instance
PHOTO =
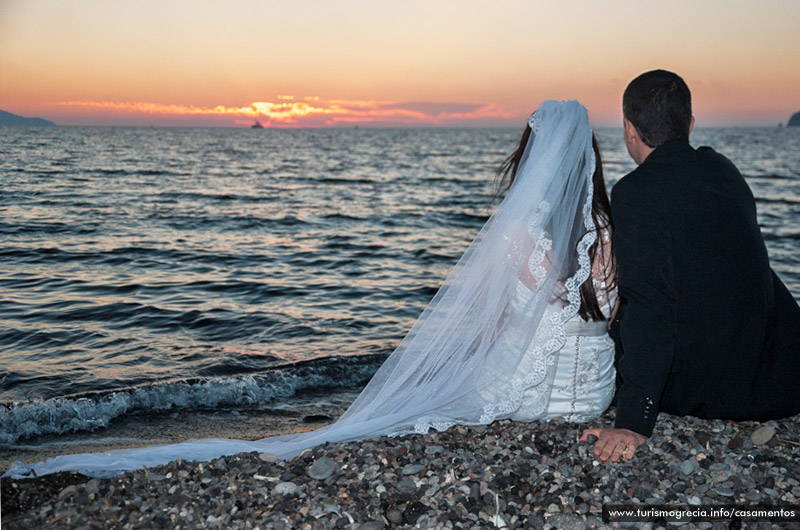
506,474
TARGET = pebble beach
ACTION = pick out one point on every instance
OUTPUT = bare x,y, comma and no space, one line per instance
502,475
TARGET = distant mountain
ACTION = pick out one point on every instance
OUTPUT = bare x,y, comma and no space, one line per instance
6,118
794,121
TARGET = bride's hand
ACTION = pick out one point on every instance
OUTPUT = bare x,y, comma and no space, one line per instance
614,443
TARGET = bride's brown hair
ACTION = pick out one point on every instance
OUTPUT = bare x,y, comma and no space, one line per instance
601,214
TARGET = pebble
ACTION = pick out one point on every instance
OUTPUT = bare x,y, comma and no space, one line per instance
93,486
68,490
286,488
735,442
565,521
762,435
725,492
687,467
372,525
412,469
753,496
322,468
407,486
394,516
434,449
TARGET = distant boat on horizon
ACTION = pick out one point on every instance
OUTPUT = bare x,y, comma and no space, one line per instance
257,125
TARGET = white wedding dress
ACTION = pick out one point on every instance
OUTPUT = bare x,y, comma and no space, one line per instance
580,377
584,381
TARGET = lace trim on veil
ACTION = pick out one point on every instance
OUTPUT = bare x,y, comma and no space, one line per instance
557,321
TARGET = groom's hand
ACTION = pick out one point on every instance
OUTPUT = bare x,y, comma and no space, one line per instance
614,443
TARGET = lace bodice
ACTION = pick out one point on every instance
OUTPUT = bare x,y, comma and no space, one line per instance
601,276
581,373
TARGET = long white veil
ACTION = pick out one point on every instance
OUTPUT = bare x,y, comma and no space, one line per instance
480,343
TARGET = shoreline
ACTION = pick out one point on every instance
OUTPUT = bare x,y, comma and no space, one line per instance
310,410
506,474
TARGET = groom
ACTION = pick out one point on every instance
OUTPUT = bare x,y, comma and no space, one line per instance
705,327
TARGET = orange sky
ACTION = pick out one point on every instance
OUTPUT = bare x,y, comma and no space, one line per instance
372,62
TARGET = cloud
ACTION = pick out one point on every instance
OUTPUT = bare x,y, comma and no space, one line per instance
316,111
435,109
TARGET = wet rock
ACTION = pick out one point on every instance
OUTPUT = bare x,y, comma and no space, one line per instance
316,418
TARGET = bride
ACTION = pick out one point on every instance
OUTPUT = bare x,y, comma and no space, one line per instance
517,330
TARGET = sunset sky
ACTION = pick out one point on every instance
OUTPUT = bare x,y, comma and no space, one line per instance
315,63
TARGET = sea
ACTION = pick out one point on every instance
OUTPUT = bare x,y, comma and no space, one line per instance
180,271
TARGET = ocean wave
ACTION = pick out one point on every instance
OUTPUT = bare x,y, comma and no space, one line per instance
137,172
20,421
44,227
142,255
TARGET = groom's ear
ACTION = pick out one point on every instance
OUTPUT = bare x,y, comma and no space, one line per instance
630,130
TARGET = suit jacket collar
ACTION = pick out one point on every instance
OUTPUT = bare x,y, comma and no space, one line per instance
668,149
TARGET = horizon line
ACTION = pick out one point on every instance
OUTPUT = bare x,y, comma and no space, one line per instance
364,126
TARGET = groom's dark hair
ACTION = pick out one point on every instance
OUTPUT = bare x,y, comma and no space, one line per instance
658,103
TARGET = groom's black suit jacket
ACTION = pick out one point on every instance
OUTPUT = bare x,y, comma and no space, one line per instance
705,327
